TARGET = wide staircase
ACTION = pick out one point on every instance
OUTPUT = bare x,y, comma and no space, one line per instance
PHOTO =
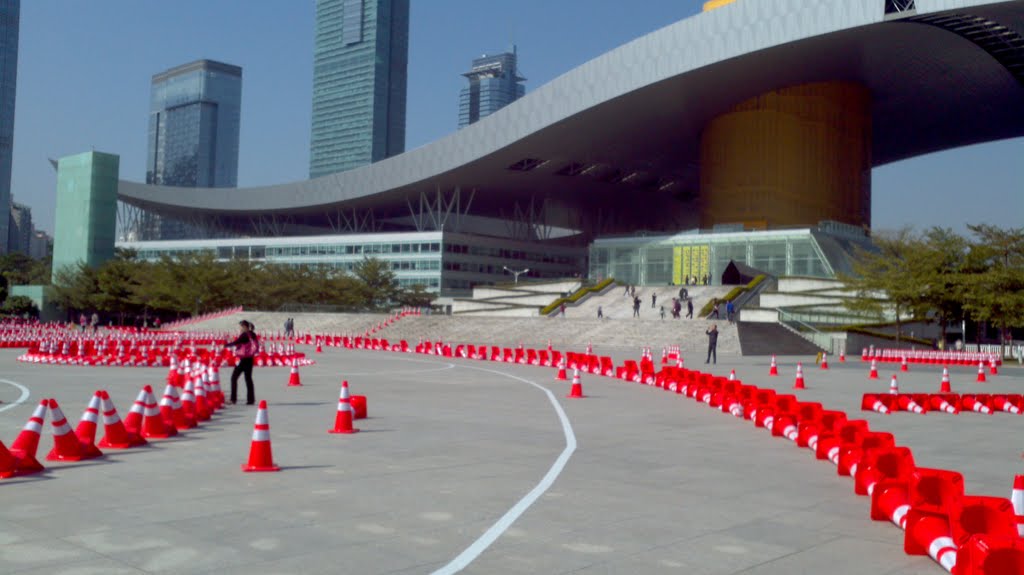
564,332
615,305
772,339
521,300
272,322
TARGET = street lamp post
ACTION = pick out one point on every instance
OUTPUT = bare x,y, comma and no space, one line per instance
516,273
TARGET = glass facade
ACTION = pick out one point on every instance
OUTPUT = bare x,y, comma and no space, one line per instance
10,18
194,121
86,209
494,83
686,257
360,63
446,263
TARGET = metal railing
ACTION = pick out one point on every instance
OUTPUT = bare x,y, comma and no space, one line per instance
807,331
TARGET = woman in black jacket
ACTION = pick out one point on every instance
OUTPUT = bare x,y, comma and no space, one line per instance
247,345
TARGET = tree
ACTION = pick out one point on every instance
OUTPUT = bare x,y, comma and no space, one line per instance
75,287
415,296
945,256
891,278
19,305
378,281
993,287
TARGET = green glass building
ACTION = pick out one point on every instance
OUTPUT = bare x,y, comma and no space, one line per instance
359,83
84,228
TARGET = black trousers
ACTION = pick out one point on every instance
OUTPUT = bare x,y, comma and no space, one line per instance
244,367
712,353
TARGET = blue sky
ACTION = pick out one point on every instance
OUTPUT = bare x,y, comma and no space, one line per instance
84,70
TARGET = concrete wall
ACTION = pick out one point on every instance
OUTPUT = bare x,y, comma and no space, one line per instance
789,285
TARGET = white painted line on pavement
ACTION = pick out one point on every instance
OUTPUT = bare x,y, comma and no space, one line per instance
491,535
24,395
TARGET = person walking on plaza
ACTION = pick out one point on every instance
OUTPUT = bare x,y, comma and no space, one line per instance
82,321
246,347
600,312
689,309
627,290
94,321
730,309
714,311
636,306
712,344
563,310
654,300
663,313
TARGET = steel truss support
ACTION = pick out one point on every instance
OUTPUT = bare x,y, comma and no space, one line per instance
440,210
353,221
527,221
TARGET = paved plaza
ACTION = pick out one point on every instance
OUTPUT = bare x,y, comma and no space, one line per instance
474,464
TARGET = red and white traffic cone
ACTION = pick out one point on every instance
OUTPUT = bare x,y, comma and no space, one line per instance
1017,498
319,347
344,416
577,388
945,387
561,376
133,421
981,372
293,376
188,403
261,457
774,369
66,446
873,374
993,369
664,355
942,404
894,388
972,404
903,364
115,435
203,409
842,357
824,361
153,424
732,375
86,430
799,382
26,444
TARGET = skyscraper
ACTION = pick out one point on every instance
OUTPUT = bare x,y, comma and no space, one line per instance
20,228
194,118
494,82
359,83
10,18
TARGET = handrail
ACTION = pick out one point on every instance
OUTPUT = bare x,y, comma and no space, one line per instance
732,295
575,297
817,337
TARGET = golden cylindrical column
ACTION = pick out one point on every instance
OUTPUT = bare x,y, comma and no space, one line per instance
791,157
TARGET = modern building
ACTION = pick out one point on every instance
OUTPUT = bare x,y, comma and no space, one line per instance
20,229
10,21
84,227
194,124
747,122
494,82
40,246
360,62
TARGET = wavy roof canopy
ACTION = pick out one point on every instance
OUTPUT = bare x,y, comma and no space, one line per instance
629,121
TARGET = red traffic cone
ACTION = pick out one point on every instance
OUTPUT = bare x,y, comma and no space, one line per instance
8,462
799,382
993,368
319,348
133,421
873,374
894,388
577,388
26,444
981,372
774,369
86,430
115,436
1017,498
202,405
66,446
188,403
842,357
903,364
561,371
824,361
261,457
293,377
153,424
732,375
944,387
344,416
172,410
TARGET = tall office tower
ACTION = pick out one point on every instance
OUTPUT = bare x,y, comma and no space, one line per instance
10,18
494,82
194,120
359,76
20,229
